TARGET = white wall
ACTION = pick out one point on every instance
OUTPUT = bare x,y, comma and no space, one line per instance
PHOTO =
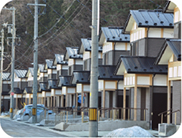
160,80
107,47
79,62
58,92
110,85
86,55
143,80
120,46
71,90
100,85
64,90
70,62
78,88
86,88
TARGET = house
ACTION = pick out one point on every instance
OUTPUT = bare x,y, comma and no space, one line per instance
148,30
62,70
20,83
170,55
61,65
147,84
173,8
75,60
85,50
114,43
110,87
6,87
68,91
81,79
28,91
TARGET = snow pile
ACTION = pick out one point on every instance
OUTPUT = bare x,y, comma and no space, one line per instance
134,131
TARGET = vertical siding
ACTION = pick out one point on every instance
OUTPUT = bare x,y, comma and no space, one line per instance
176,105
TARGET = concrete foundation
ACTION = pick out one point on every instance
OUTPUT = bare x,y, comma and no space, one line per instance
108,125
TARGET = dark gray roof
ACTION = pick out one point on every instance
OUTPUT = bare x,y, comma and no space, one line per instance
18,91
87,44
175,46
65,81
115,34
142,65
60,59
52,84
72,53
151,18
106,72
80,77
41,68
43,86
21,73
28,90
49,63
6,76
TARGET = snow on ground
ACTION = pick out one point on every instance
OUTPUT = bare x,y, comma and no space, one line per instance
134,131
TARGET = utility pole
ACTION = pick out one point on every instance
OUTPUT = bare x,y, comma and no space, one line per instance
13,32
34,112
93,122
1,71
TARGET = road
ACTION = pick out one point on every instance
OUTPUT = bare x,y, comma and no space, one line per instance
16,129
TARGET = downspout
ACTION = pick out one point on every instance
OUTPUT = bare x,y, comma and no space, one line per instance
146,48
151,102
114,54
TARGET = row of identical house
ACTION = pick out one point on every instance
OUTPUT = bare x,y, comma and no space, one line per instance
139,69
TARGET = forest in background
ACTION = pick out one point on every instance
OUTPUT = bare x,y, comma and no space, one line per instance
62,24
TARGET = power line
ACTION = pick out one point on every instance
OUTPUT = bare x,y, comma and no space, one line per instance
60,28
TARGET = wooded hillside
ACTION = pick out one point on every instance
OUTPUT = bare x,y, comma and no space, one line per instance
63,23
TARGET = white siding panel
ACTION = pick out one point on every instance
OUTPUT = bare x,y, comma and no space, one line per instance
79,62
70,62
128,46
64,90
43,94
58,67
120,85
86,55
179,71
58,92
54,71
19,96
170,72
31,96
168,33
65,67
79,88
52,92
101,83
71,90
160,80
39,95
49,71
120,46
47,94
175,72
27,95
154,32
110,85
143,80
86,88
107,47
6,97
